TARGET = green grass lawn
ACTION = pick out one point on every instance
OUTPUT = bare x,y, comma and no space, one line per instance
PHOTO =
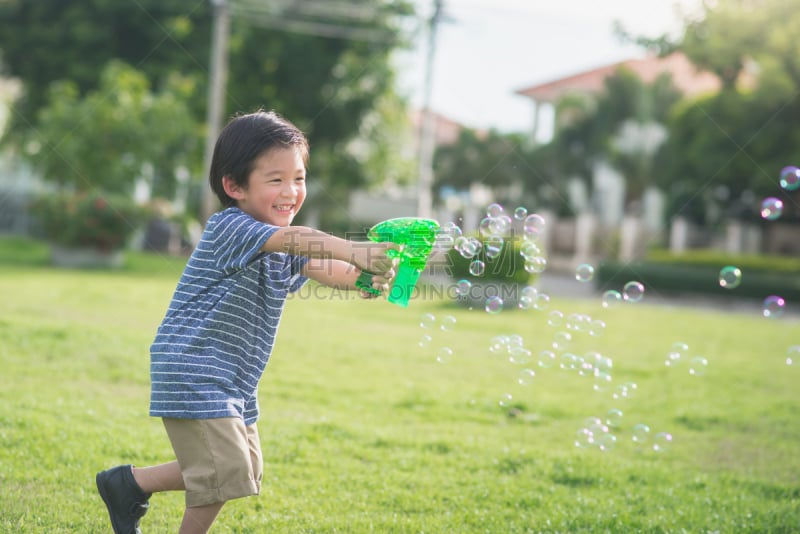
363,430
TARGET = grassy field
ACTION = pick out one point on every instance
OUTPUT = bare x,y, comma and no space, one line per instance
363,430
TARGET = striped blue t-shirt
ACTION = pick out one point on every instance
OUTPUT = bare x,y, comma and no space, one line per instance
211,348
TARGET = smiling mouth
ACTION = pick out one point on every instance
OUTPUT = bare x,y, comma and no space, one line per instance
284,207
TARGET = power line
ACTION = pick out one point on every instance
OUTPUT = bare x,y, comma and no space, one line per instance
331,19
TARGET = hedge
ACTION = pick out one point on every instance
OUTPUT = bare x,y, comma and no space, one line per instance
508,266
699,273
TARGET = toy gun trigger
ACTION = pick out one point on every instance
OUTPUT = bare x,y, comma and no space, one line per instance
364,282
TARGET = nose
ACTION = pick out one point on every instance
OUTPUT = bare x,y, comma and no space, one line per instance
289,190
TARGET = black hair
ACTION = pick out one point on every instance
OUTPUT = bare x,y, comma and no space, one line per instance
243,140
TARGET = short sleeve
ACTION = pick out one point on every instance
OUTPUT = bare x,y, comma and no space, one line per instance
297,279
237,239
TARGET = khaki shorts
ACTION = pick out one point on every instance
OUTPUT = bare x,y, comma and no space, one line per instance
220,459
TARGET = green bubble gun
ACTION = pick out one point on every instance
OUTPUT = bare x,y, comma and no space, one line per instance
416,238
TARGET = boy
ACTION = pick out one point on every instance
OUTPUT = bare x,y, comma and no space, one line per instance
211,348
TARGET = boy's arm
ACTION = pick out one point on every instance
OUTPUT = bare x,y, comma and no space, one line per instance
318,245
341,275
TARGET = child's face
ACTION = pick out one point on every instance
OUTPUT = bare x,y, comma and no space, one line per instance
276,188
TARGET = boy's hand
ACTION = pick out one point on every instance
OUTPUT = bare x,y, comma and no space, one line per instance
372,257
380,282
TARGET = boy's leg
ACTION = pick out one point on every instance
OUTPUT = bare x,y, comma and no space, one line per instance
217,463
164,477
198,519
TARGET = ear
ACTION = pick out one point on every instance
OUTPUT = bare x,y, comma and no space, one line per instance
232,189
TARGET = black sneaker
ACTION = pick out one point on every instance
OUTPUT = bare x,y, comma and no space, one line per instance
125,500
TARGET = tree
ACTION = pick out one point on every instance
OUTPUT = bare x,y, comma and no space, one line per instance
326,83
49,40
113,135
493,159
736,142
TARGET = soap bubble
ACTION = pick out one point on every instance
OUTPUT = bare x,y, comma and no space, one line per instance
444,354
585,368
555,318
486,227
476,268
536,265
444,241
793,355
527,297
601,363
541,302
640,433
773,306
460,242
584,438
698,366
730,277
607,442
534,225
452,229
771,208
498,344
494,305
447,235
566,361
625,391
530,250
790,178
596,328
611,298
425,341
561,340
662,442
633,291
463,288
447,322
614,417
503,225
494,210
678,351
505,400
520,213
494,245
547,358
584,272
427,320
602,381
519,355
468,249
515,340
529,291
596,426
526,377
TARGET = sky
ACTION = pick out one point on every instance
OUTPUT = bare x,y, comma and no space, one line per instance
488,49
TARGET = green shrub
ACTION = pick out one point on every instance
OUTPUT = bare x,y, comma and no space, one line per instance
717,260
700,277
94,220
508,266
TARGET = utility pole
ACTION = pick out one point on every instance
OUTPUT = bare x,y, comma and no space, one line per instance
218,77
427,126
